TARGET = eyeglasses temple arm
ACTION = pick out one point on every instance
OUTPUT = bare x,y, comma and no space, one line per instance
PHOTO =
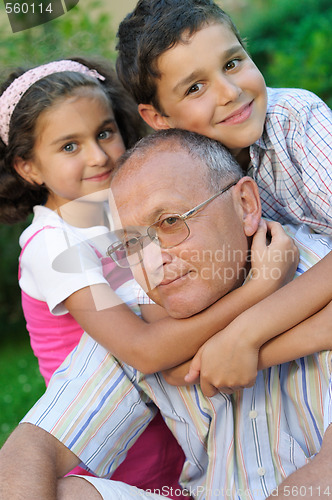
193,210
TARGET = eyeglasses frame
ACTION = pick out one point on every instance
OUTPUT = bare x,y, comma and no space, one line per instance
183,217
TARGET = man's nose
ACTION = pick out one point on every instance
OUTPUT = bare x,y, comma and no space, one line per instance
152,265
155,257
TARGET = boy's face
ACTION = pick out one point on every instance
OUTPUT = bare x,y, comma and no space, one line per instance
209,85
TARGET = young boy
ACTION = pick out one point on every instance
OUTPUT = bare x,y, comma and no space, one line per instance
187,67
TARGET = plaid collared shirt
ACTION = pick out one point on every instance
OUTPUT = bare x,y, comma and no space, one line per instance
292,161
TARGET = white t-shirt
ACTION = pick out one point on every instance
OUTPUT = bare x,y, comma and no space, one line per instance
61,259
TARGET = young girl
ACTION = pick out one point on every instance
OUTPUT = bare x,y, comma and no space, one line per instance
62,127
113,125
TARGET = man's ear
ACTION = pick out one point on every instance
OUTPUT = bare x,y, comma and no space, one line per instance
248,202
27,170
152,117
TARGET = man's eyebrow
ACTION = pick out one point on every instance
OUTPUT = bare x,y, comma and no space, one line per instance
195,75
128,230
157,213
164,210
152,218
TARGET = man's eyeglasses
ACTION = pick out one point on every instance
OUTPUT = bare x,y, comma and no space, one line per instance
167,232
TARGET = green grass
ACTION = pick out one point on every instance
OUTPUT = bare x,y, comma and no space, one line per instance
21,384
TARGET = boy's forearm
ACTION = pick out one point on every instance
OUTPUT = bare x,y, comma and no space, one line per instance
310,336
30,462
175,376
171,342
290,305
165,343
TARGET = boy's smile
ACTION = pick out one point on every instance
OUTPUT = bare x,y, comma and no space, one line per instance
210,85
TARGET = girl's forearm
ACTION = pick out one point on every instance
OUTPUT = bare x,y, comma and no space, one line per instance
170,342
165,343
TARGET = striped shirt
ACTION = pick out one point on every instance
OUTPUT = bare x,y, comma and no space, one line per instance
292,161
237,446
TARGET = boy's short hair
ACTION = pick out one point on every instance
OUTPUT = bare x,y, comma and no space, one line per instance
153,27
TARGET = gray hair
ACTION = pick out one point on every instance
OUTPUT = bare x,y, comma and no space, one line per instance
221,166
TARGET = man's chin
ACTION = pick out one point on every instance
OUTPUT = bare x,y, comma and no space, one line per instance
173,310
184,303
183,311
185,307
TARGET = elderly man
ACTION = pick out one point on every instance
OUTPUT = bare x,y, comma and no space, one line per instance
236,446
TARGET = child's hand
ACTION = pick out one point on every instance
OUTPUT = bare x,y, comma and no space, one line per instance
177,375
229,360
226,362
273,264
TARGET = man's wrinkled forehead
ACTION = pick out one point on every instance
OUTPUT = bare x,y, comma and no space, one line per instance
167,161
141,155
149,185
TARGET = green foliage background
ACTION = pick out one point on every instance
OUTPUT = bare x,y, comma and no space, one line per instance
290,41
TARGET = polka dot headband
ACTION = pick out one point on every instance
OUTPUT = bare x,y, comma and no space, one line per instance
12,95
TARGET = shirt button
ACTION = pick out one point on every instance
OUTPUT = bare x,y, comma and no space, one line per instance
261,471
253,414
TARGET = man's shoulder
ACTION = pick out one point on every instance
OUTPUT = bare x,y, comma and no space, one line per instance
312,246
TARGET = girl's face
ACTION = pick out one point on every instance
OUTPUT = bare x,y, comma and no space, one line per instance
77,144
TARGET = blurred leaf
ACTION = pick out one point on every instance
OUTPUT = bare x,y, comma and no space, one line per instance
81,32
21,384
291,43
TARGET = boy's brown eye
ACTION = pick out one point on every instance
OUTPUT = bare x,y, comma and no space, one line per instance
232,64
195,88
